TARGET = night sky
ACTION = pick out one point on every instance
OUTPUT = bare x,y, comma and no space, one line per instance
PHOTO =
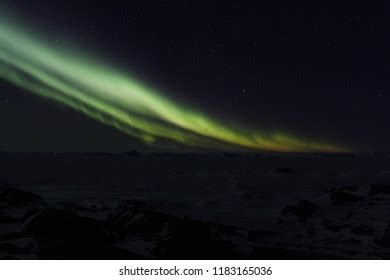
309,70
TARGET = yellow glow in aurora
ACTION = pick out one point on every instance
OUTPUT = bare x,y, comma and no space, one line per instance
116,99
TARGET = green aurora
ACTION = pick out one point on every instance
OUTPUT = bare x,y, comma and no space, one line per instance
113,97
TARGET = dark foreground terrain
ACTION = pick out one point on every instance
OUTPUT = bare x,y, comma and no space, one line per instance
223,206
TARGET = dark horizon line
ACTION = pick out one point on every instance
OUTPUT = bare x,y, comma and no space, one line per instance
225,153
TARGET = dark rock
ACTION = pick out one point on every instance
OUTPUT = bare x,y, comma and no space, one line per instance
193,239
136,217
132,205
54,248
190,229
225,230
63,234
340,197
59,222
379,189
139,218
174,237
303,210
384,240
363,230
17,205
12,249
348,188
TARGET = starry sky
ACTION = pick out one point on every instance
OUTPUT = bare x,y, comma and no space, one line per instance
310,71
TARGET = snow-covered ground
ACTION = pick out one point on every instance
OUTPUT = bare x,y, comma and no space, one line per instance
251,206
